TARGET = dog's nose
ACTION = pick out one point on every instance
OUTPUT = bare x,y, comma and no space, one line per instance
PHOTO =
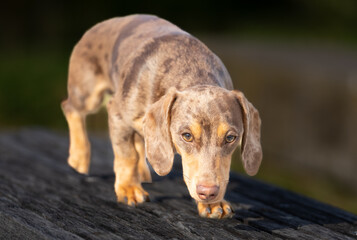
207,192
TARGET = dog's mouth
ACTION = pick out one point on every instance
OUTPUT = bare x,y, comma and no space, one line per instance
209,201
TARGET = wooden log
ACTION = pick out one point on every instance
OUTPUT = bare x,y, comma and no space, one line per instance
41,197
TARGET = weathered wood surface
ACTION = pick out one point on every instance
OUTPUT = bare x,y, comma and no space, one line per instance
41,197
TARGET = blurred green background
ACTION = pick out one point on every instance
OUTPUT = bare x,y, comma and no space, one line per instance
296,61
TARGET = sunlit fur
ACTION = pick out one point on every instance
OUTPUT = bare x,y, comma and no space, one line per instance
163,82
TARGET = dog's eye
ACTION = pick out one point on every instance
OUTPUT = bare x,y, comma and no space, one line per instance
187,137
230,138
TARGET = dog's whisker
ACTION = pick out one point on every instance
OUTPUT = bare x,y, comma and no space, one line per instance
189,180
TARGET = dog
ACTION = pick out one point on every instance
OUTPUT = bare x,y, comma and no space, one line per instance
169,94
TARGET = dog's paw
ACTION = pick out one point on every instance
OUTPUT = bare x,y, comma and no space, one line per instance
80,162
131,195
216,210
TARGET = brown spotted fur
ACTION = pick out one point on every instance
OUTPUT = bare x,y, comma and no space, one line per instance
163,82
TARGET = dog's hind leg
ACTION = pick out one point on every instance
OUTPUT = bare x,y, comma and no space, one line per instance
86,90
79,149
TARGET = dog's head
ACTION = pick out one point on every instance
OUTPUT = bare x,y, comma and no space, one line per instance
204,124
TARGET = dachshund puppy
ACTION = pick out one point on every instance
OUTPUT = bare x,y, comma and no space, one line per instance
169,94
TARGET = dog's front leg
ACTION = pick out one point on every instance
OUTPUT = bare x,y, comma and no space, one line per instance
127,185
143,168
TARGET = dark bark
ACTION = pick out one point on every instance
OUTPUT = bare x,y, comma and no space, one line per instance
41,197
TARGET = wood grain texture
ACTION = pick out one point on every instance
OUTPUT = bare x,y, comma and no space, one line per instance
41,197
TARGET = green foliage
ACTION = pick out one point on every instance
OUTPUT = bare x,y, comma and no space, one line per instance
31,88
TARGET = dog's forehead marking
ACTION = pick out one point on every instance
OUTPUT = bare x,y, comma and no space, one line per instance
196,129
222,129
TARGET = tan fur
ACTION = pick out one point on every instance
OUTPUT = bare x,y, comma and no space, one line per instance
216,210
163,82
196,129
79,152
143,168
222,130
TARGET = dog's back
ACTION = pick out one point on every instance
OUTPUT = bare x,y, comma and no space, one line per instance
145,51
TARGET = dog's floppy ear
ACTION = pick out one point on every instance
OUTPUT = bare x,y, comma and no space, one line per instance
251,148
156,126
